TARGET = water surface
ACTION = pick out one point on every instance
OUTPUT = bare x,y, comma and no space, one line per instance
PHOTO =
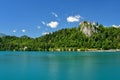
59,66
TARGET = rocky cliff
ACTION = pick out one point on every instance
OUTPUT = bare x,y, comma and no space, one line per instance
88,28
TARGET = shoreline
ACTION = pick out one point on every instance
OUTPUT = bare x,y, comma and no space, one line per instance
89,50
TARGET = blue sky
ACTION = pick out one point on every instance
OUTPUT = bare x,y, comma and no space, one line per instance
38,17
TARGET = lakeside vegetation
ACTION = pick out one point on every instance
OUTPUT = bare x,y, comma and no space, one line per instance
69,39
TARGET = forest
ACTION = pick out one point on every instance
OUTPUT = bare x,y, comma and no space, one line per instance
68,39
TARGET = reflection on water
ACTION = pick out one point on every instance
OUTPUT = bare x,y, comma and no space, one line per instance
59,65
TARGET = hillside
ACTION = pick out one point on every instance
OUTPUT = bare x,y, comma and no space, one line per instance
84,37
2,35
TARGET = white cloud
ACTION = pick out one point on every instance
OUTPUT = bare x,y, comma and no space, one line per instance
74,18
53,24
116,26
23,30
45,33
38,27
14,31
43,22
53,13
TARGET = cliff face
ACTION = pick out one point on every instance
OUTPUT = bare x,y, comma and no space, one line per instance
88,28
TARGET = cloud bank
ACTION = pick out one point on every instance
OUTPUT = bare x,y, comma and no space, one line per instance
14,31
53,24
43,22
54,14
75,18
23,30
45,33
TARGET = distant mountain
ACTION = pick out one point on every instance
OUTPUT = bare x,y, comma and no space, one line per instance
25,36
2,35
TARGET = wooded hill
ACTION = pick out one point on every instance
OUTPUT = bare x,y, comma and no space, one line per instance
84,37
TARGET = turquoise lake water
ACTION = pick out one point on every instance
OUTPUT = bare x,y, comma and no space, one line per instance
59,65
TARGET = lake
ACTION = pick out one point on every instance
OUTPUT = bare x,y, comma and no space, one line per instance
59,65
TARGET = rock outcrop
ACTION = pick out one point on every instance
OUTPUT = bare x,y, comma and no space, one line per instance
88,28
